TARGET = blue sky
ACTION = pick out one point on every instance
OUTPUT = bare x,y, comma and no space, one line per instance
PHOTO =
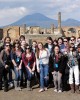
12,10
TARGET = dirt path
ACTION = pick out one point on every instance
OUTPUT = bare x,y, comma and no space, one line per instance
34,95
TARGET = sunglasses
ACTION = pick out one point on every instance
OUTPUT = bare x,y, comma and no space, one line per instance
7,45
72,39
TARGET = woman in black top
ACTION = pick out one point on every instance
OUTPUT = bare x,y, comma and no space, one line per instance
5,64
17,63
58,68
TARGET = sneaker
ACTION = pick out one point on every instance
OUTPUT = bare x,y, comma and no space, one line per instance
5,89
41,90
11,85
29,89
45,89
18,89
55,90
59,91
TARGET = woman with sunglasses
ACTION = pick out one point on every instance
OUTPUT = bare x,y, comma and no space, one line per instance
72,41
66,45
17,63
73,70
42,67
29,60
5,63
7,39
65,51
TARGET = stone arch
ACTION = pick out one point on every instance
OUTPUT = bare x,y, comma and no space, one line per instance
72,30
79,32
11,33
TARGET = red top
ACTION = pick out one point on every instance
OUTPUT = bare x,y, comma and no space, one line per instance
28,60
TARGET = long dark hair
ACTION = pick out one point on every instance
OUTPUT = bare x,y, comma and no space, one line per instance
60,38
58,47
16,42
6,38
50,38
28,46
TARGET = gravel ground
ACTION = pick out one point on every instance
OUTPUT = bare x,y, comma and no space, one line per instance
35,95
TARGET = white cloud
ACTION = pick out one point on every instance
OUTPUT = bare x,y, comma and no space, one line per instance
67,7
12,10
9,15
70,8
22,10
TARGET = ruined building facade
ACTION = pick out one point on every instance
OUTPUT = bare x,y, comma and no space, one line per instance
36,32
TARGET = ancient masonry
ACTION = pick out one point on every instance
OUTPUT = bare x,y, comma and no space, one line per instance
38,33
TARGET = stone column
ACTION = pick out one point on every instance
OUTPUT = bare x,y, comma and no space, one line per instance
52,29
45,31
59,23
31,30
39,30
24,28
77,35
30,42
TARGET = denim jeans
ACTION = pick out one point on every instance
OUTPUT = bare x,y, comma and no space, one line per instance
1,75
17,74
44,75
29,75
10,75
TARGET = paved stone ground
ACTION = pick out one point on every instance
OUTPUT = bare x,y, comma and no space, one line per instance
35,95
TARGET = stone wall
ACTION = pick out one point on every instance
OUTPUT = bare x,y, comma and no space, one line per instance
37,33
40,37
69,33
12,31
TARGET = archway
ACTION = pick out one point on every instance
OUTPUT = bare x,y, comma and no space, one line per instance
72,30
11,33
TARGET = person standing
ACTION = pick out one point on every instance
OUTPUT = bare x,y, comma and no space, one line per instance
5,61
42,67
29,60
74,70
23,49
58,68
16,57
49,46
7,39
